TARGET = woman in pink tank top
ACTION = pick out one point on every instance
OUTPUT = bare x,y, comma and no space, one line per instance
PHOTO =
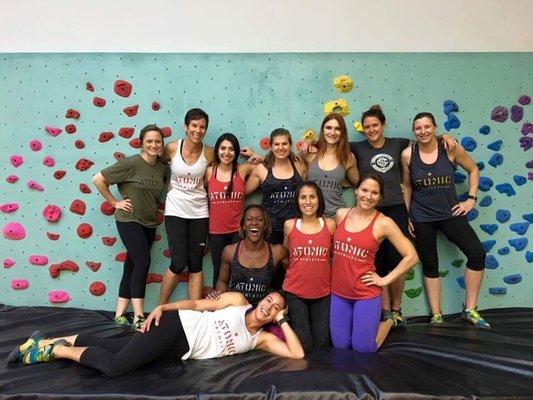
307,282
356,288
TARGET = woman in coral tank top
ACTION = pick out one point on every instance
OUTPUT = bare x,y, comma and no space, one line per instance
356,288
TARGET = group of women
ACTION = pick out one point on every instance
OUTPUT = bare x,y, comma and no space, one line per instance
337,259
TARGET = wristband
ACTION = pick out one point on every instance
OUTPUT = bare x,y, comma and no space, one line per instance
471,196
283,320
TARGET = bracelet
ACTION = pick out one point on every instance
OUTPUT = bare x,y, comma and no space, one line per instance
283,320
471,196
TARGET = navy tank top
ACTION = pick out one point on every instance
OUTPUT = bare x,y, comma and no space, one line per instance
278,197
253,283
433,187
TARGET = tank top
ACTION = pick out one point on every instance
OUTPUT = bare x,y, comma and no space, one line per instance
225,211
353,256
278,197
187,197
433,187
253,283
309,272
330,182
213,334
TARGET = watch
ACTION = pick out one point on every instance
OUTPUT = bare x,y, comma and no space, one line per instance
283,320
471,196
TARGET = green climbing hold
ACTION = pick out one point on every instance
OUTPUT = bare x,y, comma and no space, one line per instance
412,293
458,263
442,274
410,275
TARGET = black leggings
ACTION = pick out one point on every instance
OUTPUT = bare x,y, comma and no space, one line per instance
138,240
217,242
187,241
116,356
459,232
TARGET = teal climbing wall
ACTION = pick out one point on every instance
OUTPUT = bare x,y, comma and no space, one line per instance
248,94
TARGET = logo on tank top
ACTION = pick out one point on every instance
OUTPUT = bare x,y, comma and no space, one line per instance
310,253
382,162
186,182
234,196
350,251
224,338
434,182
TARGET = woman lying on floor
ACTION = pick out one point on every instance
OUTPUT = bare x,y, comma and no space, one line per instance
196,329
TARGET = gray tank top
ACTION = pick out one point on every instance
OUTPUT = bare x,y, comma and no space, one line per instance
330,182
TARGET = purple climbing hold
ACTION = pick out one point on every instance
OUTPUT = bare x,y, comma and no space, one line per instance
524,100
530,176
527,128
496,159
496,146
517,113
499,114
529,164
526,142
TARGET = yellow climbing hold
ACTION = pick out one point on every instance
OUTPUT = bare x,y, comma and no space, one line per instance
358,126
343,83
339,106
309,134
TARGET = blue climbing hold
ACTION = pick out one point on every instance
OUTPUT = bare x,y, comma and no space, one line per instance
484,130
461,282
488,244
519,227
496,159
518,244
528,217
468,143
480,165
529,256
495,145
472,214
506,188
450,106
491,262
452,122
489,228
504,251
463,196
485,183
502,216
485,201
497,290
519,180
512,279
459,177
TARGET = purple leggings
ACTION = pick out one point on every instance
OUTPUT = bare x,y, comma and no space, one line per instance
354,323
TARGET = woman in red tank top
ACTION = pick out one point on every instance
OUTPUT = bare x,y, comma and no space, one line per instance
355,286
307,282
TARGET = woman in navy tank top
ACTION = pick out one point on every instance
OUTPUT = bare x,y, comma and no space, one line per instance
429,193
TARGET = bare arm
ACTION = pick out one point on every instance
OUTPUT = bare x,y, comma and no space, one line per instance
169,151
253,181
287,228
280,255
406,183
103,187
461,157
291,348
225,269
352,173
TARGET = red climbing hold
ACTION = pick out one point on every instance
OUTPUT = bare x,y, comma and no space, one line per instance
160,218
83,164
122,88
166,131
93,266
121,257
107,208
154,278
85,189
157,237
264,143
109,241
118,155
126,132
166,253
135,143
131,111
155,106
97,288
52,213
67,265
52,236
72,114
84,230
59,174
105,137
77,207
79,144
71,128
99,102
89,86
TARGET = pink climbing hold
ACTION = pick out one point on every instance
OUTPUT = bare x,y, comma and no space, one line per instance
8,208
35,259
52,213
8,262
52,131
34,185
58,296
12,179
49,161
35,145
14,231
19,284
16,161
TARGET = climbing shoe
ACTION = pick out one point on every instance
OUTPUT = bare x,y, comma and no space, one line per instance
474,318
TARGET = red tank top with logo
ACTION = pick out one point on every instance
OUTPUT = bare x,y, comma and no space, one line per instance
353,256
225,210
309,273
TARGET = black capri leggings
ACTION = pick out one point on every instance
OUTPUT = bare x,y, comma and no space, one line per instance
138,240
217,242
116,356
187,241
459,232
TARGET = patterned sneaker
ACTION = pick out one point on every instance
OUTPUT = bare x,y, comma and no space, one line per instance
137,324
398,317
474,318
35,354
436,319
122,320
18,352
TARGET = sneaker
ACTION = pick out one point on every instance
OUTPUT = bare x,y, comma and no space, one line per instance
436,319
474,318
35,354
398,317
137,324
122,320
18,352
385,315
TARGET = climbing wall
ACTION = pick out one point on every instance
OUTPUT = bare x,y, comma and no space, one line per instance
64,117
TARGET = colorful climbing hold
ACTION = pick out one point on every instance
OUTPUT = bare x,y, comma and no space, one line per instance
51,213
519,244
410,275
339,106
84,230
83,164
106,208
79,144
517,113
512,279
121,257
58,296
506,188
526,142
468,143
519,227
496,146
52,236
52,131
524,100
154,278
9,208
485,201
358,126
472,214
8,262
67,265
444,273
485,183
14,231
97,288
489,228
449,106
461,282
70,128
264,143
84,188
99,102
109,241
59,174
89,86
499,114
49,161
488,244
34,185
19,284
412,293
93,266
131,110
458,263
118,155
527,128
484,130
497,290
504,251
16,160
36,259
105,137
519,180
491,262
77,207
502,216
480,165
35,145
126,132
528,217
122,88
72,114
459,177
495,160
343,83
135,143
166,131
155,106
452,122
529,256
